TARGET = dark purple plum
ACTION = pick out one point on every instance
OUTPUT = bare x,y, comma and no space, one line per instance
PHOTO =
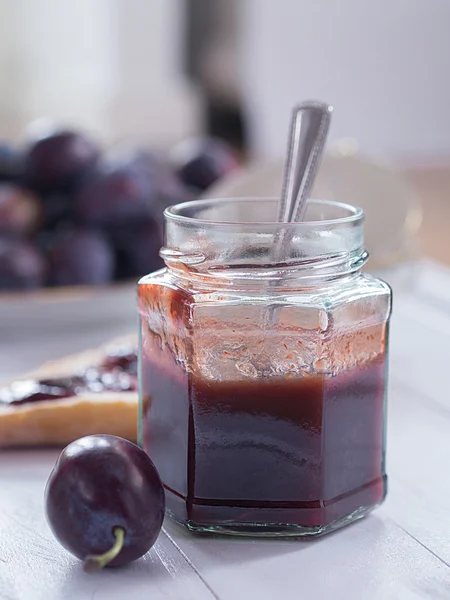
171,190
80,257
58,160
148,163
57,208
163,187
22,267
11,164
200,162
137,249
143,249
20,210
105,501
113,196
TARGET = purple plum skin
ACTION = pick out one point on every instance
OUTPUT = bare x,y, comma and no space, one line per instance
98,483
81,257
112,197
20,210
56,161
22,267
11,166
199,163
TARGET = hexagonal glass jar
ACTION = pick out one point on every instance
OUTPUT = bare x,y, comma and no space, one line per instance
263,369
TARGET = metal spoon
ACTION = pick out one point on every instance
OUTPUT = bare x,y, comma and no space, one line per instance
308,132
307,136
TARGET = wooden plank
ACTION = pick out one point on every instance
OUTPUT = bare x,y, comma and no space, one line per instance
33,566
419,348
400,552
371,560
433,285
418,450
418,457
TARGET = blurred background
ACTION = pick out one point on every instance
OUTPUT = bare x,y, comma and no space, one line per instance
111,110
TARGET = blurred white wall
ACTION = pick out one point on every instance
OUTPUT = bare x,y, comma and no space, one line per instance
154,99
56,60
111,66
383,64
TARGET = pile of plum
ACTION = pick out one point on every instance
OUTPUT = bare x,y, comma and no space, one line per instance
71,214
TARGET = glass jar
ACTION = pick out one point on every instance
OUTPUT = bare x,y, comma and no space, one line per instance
263,373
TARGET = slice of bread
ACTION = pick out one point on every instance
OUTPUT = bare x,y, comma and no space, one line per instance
57,422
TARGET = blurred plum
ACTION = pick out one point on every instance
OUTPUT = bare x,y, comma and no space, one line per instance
56,161
137,249
200,162
10,162
143,252
81,257
58,208
168,186
113,196
163,186
22,267
20,210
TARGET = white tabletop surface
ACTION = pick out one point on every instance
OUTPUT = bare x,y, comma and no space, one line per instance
400,552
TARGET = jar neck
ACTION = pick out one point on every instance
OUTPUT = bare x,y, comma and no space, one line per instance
279,277
229,248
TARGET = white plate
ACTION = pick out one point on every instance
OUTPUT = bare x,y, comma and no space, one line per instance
51,323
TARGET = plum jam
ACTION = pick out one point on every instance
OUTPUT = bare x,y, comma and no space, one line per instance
116,373
263,407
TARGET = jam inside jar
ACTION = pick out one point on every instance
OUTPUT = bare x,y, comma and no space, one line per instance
263,383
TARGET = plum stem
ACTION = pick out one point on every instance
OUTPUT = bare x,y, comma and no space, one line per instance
95,562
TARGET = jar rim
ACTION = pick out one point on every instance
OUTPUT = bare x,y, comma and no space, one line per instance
174,213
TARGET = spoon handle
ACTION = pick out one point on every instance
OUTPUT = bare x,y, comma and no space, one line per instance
307,136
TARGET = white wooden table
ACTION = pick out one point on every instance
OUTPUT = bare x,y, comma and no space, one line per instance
400,552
